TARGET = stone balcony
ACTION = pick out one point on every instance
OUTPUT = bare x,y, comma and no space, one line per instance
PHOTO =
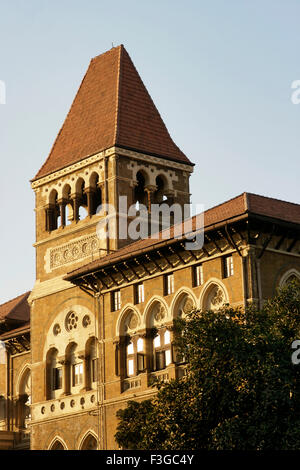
65,405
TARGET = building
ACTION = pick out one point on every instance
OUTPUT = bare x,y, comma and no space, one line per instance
101,309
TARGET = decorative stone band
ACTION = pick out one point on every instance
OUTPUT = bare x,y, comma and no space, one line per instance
71,252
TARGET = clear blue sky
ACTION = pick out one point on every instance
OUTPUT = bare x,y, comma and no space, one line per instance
219,71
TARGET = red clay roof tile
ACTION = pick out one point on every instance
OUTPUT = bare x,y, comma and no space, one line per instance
16,309
111,108
234,208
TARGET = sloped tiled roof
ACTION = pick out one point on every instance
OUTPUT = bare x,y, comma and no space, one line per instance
111,108
235,208
16,309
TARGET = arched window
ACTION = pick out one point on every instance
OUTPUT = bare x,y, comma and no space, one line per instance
57,445
135,355
67,206
161,337
94,195
89,443
91,363
162,353
160,193
132,346
74,369
140,196
53,219
292,275
53,374
24,400
214,297
81,199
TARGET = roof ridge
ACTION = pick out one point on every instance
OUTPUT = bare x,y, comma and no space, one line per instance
273,198
118,98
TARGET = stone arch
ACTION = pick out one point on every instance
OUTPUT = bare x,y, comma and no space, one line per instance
156,312
140,195
89,441
144,172
95,196
183,302
51,362
128,321
22,378
162,188
288,276
91,363
81,197
214,295
53,196
52,212
57,443
23,389
94,178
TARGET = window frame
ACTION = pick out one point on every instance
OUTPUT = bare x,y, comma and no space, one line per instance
198,278
228,266
161,350
139,295
78,365
116,300
169,286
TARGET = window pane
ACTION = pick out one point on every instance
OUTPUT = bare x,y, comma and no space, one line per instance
167,337
116,300
168,357
199,275
170,284
160,360
130,367
130,349
140,345
57,378
141,362
156,341
141,293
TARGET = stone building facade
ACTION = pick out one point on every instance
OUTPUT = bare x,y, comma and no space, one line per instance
102,306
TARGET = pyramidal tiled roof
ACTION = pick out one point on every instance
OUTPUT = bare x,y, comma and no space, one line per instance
111,108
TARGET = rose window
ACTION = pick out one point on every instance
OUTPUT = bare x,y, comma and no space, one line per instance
71,321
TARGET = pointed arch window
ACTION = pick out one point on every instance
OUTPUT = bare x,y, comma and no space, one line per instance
162,350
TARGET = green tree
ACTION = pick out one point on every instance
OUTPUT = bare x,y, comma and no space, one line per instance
241,390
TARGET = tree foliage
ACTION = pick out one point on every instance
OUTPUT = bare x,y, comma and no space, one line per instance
241,390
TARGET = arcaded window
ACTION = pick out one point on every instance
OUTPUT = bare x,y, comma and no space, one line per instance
135,356
162,349
53,373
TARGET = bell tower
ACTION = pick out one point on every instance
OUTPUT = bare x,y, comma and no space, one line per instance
113,143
